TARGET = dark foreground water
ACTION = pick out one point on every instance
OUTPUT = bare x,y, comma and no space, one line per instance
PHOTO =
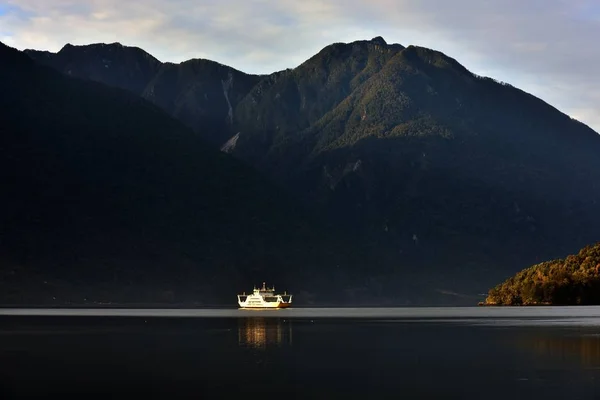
458,353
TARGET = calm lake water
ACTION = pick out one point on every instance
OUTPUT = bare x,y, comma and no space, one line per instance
408,353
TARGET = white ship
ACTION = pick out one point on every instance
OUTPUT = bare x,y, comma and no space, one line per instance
264,298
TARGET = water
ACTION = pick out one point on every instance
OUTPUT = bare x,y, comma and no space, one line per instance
420,353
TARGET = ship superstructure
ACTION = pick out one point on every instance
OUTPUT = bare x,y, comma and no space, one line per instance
264,298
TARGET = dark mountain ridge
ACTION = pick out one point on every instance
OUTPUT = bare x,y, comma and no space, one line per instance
105,197
125,67
200,93
454,180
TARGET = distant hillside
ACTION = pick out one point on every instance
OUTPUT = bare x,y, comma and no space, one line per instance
574,280
107,198
451,180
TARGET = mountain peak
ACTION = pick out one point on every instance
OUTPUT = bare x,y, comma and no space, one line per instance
379,40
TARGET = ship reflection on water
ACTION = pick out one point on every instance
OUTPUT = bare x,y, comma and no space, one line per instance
260,332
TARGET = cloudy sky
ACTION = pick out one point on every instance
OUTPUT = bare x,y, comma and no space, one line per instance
550,48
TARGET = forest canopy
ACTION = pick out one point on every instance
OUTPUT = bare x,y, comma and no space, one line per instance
574,280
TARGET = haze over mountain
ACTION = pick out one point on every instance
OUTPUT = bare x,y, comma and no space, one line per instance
452,180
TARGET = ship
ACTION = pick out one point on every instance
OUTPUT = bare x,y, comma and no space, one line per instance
264,298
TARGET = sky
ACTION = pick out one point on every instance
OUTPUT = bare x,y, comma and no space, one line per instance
549,48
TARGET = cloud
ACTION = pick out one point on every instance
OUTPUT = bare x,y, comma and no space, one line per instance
546,47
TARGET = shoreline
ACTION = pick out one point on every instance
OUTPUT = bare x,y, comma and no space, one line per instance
484,304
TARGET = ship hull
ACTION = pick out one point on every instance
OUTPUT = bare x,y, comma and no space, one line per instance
264,306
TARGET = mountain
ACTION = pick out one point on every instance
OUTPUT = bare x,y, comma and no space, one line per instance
461,174
453,181
107,198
